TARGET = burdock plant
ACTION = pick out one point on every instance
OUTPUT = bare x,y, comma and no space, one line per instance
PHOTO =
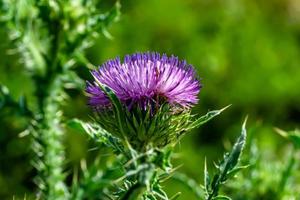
143,108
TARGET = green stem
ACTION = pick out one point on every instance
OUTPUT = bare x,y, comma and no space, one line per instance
214,193
50,133
54,149
216,186
142,179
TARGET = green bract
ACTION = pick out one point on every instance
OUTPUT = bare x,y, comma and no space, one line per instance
144,129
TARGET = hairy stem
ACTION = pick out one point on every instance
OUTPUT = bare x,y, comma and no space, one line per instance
50,93
52,135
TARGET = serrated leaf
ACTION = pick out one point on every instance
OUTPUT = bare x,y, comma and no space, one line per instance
232,159
206,177
81,126
227,166
97,133
204,119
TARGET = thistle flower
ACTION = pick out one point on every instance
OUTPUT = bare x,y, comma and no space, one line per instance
146,79
155,94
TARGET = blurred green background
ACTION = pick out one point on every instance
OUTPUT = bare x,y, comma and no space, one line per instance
247,53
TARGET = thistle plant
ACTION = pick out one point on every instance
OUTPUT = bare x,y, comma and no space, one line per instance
142,105
142,109
145,103
227,168
50,37
268,176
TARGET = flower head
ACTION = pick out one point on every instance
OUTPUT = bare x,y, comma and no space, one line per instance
145,80
144,100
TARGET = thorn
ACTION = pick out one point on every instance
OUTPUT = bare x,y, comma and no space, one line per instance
175,196
245,122
176,168
225,108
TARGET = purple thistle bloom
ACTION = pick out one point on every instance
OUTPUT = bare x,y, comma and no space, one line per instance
145,79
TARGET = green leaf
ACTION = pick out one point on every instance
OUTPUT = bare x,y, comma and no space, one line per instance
97,133
81,126
227,168
232,159
206,177
204,119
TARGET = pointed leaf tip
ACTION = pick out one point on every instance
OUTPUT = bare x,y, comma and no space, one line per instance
222,109
175,196
245,122
206,176
207,117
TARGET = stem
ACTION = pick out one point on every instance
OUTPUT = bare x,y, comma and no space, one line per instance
213,194
54,149
215,187
48,135
50,92
142,179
